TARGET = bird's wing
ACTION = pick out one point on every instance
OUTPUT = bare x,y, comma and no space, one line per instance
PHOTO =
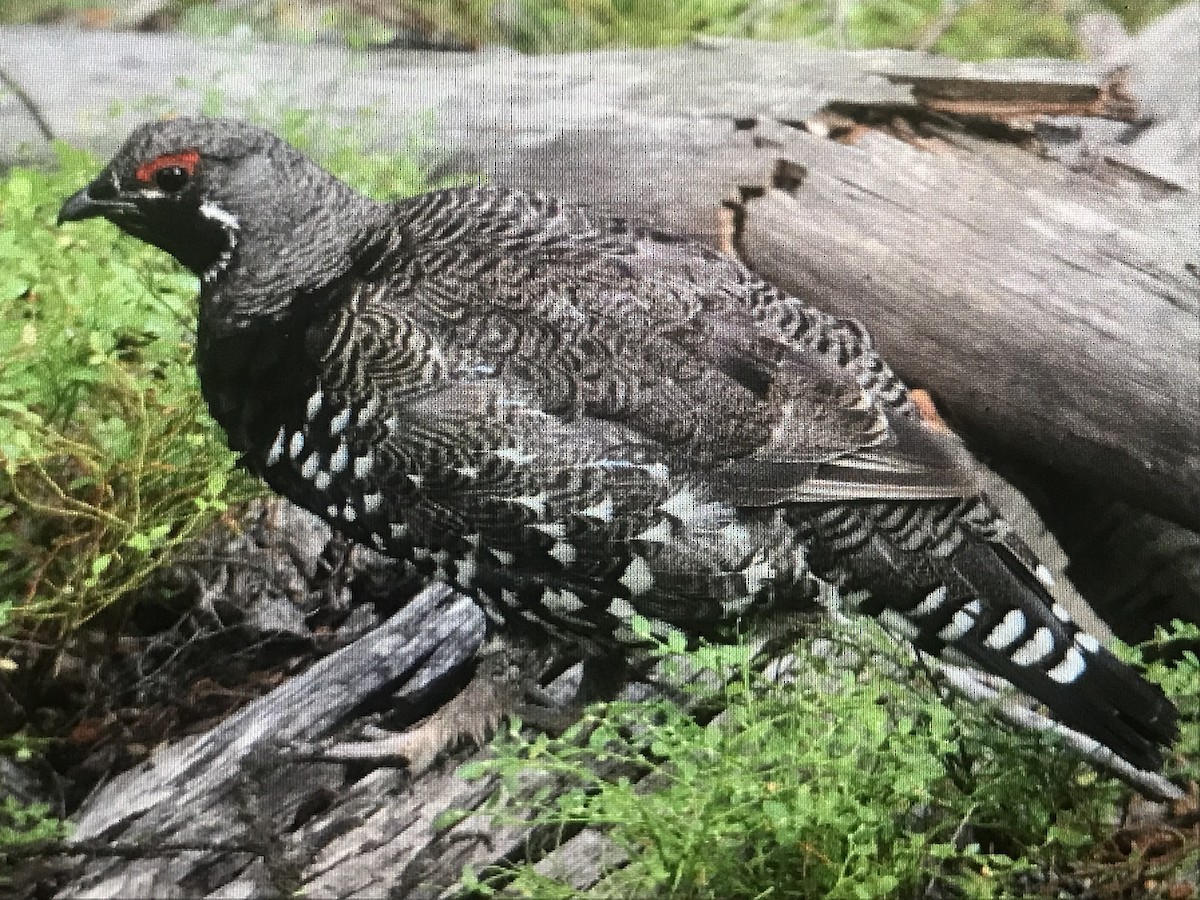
468,448
515,497
601,319
830,439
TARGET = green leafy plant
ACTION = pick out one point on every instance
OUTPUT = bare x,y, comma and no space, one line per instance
107,458
24,825
973,30
844,781
1172,661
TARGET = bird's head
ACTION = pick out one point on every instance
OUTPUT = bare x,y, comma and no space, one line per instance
212,192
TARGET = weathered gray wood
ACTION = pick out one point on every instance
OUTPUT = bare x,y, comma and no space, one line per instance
221,796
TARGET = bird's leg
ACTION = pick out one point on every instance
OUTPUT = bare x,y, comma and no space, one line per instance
502,673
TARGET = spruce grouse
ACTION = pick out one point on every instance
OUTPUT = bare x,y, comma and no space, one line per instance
575,419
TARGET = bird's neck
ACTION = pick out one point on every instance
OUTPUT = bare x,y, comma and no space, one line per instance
257,310
246,374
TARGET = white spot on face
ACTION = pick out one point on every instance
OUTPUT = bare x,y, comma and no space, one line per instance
349,513
931,603
372,502
1071,667
554,529
957,627
656,534
276,452
1087,642
1043,575
296,447
398,530
322,481
215,213
515,456
314,405
1060,612
637,576
340,458
621,608
362,464
503,557
602,510
1011,627
331,511
1034,650
563,552
309,469
339,422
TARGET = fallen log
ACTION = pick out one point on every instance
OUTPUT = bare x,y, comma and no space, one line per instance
205,813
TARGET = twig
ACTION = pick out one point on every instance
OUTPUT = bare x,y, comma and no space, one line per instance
30,107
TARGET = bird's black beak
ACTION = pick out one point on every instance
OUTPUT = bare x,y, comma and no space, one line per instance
97,199
80,205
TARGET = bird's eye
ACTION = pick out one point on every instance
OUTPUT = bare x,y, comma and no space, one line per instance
168,172
171,178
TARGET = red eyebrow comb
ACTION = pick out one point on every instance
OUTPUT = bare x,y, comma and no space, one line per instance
185,159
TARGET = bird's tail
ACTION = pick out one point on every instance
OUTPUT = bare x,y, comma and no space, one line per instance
974,598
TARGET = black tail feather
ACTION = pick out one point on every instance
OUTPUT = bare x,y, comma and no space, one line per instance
972,600
1084,686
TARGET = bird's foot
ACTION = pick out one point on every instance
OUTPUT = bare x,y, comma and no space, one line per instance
502,674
